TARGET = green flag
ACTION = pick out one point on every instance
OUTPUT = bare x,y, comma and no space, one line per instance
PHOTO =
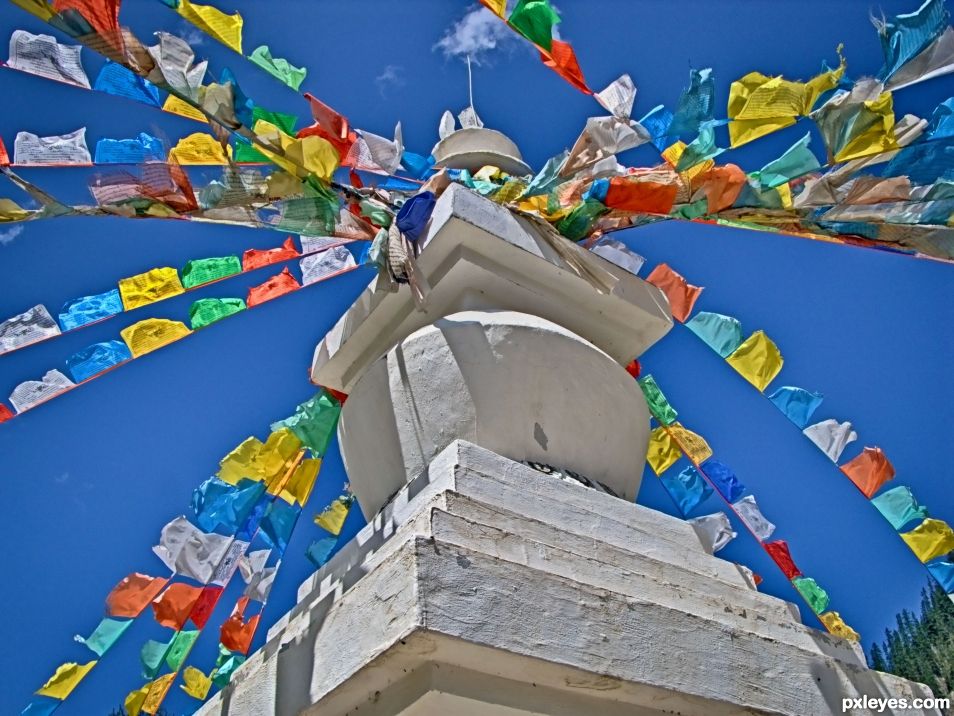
209,310
200,271
179,649
534,19
816,597
105,635
658,405
277,67
314,422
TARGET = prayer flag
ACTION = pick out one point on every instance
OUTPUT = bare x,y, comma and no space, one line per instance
534,19
935,60
256,258
278,68
189,551
758,360
943,572
812,592
930,539
693,445
104,635
42,55
176,67
778,551
96,358
681,294
157,693
59,149
180,647
748,511
308,155
66,678
695,106
144,148
724,479
414,214
562,60
205,605
31,393
616,252
206,311
174,105
319,266
31,326
903,37
831,437
278,523
218,504
795,162
154,285
869,470
687,489
658,405
640,196
714,531
314,422
723,334
133,594
173,607
236,634
40,707
721,186
199,148
319,551
662,453
899,506
115,79
202,271
227,29
197,684
797,404
333,517
225,666
148,335
274,287
837,626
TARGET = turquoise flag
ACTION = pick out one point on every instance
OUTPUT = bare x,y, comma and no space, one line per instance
105,635
903,37
723,334
278,523
796,161
314,422
701,148
898,506
696,105
319,552
798,404
687,489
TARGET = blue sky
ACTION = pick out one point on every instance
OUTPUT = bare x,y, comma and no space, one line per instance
91,477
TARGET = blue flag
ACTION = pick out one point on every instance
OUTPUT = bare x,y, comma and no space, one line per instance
687,489
798,404
278,523
216,503
904,36
320,551
96,358
415,213
943,572
117,80
80,311
142,149
723,478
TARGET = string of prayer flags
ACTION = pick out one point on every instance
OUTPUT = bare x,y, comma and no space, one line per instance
33,325
681,294
256,258
278,68
148,287
869,471
831,437
758,360
207,311
236,634
714,531
200,149
778,551
196,683
42,55
687,489
153,333
106,633
930,539
797,404
201,271
333,517
658,405
723,334
274,287
133,594
723,478
89,309
96,358
65,679
58,149
120,81
31,393
899,506
903,37
227,29
812,592
314,422
748,511
837,626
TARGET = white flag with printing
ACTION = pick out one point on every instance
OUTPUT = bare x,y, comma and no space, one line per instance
618,253
618,97
831,437
176,66
749,512
187,550
33,392
42,55
69,148
26,328
317,266
714,531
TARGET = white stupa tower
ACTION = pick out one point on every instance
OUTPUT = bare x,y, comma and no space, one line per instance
483,586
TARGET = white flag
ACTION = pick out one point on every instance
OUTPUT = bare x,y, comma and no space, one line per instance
312,244
253,563
618,253
174,60
618,97
317,266
261,584
469,119
933,61
749,512
447,126
33,392
59,149
189,551
28,327
831,437
42,55
229,563
382,154
714,531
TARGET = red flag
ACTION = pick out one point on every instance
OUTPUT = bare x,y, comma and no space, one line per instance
778,551
102,15
205,605
273,288
682,295
634,369
562,60
4,157
256,258
237,634
335,124
5,413
173,607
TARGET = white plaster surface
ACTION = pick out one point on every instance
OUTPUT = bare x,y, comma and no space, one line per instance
519,385
489,589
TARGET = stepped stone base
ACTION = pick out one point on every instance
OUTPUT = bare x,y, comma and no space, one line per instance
485,587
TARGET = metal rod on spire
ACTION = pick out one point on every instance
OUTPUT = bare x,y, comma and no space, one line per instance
470,83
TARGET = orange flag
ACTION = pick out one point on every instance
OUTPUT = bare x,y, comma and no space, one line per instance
273,288
329,125
132,594
173,607
722,186
4,157
236,634
681,294
562,60
102,15
256,258
640,196
869,471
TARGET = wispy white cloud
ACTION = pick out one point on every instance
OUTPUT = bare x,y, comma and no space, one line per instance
477,34
391,78
7,237
191,34
61,479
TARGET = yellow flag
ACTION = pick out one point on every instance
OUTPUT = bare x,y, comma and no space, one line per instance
872,131
742,131
281,184
836,625
197,684
157,692
930,539
11,211
276,455
174,105
673,153
662,452
153,333
227,29
785,195
758,360
40,8
498,7
301,157
241,462
199,148
149,287
302,481
334,515
694,446
65,679
539,204
135,700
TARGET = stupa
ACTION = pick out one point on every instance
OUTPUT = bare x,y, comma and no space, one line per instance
495,444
